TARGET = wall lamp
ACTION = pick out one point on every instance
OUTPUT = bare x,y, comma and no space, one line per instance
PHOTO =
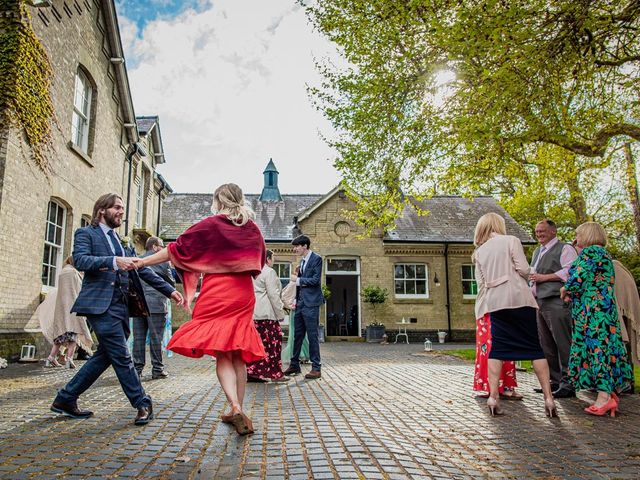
436,280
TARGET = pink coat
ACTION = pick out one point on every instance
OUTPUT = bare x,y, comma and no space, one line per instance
501,273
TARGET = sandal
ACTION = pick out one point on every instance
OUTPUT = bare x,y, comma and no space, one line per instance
512,396
242,423
51,362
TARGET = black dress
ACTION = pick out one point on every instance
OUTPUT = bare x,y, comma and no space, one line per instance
514,334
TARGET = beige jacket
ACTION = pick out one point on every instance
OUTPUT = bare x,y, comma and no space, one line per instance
501,274
267,288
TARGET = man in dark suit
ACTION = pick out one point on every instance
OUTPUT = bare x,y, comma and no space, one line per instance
157,319
308,300
103,299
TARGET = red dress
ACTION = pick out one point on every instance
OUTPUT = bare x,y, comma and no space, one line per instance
222,320
483,347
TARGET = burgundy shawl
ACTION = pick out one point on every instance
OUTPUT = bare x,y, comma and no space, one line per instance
216,245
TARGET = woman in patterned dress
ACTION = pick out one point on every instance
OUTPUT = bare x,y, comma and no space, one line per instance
267,315
598,358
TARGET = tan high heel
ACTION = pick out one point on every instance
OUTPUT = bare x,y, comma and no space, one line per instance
494,408
550,408
51,362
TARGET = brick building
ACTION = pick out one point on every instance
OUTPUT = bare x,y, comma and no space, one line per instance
94,148
424,263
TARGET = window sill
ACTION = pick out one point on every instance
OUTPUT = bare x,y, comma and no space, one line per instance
76,149
412,300
468,300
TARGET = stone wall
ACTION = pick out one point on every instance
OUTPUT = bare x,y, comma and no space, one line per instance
74,38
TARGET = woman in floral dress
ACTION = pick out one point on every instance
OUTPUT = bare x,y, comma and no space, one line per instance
598,358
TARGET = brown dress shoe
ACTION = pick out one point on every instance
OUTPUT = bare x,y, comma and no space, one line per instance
292,371
313,375
70,410
144,416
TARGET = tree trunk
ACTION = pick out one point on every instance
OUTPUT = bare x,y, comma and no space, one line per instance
577,203
632,189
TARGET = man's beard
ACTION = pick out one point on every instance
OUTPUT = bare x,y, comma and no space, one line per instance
112,220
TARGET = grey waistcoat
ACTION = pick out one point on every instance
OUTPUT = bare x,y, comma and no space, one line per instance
549,263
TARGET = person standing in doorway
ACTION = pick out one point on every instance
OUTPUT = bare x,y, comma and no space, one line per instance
156,321
308,300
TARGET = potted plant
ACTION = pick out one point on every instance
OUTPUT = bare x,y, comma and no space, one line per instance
375,296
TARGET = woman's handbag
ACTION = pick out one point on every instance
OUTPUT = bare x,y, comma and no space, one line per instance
137,303
289,295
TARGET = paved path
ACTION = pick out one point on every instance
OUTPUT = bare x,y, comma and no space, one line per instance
379,412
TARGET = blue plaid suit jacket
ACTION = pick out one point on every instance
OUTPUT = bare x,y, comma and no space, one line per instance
93,256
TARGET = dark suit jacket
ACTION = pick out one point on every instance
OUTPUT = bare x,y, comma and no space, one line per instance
155,300
309,290
93,256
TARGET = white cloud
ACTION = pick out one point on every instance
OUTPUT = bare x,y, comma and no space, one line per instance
228,82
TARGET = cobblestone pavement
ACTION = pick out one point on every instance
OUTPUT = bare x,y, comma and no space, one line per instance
379,412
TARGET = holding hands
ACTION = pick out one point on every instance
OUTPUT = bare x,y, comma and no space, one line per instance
126,263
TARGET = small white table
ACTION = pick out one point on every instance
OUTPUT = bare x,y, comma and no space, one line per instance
402,331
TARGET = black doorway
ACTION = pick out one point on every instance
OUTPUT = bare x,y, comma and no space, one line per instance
342,306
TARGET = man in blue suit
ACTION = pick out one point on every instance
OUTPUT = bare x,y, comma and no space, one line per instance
108,275
308,300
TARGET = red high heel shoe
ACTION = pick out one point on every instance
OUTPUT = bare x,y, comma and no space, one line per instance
610,406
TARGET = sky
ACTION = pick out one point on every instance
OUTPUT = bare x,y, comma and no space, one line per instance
228,79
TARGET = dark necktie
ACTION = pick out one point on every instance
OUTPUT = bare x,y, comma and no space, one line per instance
302,266
115,243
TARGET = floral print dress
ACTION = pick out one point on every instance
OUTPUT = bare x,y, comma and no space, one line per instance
598,358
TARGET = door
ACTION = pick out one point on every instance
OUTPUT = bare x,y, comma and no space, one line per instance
342,278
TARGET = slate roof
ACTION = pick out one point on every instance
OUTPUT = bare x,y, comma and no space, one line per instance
450,218
145,124
275,219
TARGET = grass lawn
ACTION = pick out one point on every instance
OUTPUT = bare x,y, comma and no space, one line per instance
470,354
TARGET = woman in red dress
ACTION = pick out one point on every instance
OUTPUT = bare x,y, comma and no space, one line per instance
229,250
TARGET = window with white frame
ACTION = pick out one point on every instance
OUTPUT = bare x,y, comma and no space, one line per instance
85,221
469,285
140,198
283,269
81,112
411,280
53,240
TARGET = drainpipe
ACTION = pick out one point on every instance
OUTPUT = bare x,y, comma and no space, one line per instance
135,148
164,185
446,270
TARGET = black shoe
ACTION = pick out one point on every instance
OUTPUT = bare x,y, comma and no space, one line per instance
292,371
159,376
70,410
145,415
564,392
255,380
554,387
84,356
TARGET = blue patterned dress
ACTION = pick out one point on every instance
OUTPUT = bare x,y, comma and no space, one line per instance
598,358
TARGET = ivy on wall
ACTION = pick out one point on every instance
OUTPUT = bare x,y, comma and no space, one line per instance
25,79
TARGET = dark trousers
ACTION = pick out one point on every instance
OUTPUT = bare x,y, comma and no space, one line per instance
306,321
154,324
555,326
112,330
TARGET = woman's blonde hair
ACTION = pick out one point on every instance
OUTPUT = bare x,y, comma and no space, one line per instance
487,224
592,234
229,200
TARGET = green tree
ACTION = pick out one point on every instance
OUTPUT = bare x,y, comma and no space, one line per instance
375,296
528,73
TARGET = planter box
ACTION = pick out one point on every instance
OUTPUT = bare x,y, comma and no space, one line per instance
375,334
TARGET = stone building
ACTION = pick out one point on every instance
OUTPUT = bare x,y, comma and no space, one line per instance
95,144
424,263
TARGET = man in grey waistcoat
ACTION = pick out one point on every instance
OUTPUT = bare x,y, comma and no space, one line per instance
550,264
155,323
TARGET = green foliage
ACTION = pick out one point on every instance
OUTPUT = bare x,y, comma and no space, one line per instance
529,75
375,296
326,292
25,74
